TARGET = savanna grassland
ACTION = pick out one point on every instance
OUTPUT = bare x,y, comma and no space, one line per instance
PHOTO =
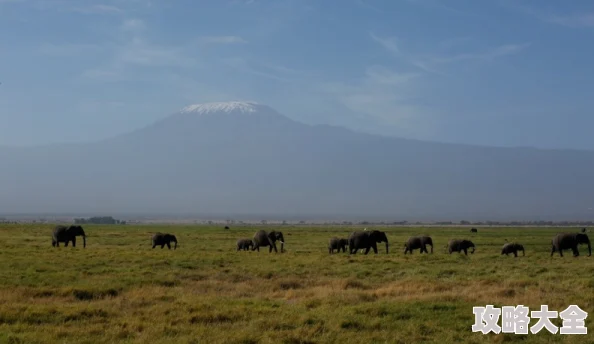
118,289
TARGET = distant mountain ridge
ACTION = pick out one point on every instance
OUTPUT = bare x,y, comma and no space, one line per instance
246,158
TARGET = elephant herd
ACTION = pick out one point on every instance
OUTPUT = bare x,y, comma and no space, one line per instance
358,240
367,240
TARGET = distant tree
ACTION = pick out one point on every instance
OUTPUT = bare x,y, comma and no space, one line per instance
464,222
99,220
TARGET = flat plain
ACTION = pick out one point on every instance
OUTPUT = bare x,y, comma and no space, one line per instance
119,289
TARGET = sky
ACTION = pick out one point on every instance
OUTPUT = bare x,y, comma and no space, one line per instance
499,72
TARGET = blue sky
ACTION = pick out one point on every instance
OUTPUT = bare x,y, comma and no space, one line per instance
501,72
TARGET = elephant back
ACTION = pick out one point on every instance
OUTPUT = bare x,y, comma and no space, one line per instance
261,237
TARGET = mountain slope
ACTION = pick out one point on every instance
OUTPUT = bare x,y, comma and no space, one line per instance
244,158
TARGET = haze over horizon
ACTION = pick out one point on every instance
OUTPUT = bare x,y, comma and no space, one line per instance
246,158
494,73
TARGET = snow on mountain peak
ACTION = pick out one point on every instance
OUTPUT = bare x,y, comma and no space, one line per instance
234,106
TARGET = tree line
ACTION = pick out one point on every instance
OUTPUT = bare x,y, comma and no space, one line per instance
99,220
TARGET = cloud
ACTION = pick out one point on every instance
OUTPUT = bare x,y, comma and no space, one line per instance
573,20
367,5
438,5
432,62
102,75
133,25
489,54
388,43
243,65
64,50
143,54
381,93
222,40
98,9
134,50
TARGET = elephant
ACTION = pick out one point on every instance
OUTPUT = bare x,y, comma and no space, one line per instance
227,227
244,244
473,230
162,239
337,244
262,239
456,245
512,248
367,240
66,234
417,242
565,241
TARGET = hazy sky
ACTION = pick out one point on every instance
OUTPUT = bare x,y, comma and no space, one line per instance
485,72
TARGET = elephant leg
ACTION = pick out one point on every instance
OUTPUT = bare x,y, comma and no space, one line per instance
74,242
169,246
465,251
374,248
516,254
367,250
575,251
154,245
162,246
560,252
66,243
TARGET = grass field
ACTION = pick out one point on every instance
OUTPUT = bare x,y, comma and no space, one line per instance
118,289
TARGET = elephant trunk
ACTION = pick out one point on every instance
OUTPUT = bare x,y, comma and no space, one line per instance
589,248
431,248
84,241
387,250
523,252
175,246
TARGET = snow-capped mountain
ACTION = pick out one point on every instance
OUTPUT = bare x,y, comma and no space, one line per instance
246,158
225,107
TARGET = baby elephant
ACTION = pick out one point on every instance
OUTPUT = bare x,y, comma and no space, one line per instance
245,244
162,239
460,245
512,248
338,245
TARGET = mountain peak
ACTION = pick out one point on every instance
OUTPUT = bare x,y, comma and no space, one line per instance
227,107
